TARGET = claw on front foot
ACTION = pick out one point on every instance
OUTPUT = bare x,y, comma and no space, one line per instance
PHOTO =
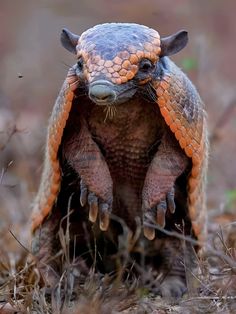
104,216
93,207
96,206
170,198
161,213
154,216
149,233
157,214
83,193
148,219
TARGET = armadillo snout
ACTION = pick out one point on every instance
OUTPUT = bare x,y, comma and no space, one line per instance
102,93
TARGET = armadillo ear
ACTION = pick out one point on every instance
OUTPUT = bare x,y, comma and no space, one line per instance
174,43
69,40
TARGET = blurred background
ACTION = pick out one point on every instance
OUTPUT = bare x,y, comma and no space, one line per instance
33,66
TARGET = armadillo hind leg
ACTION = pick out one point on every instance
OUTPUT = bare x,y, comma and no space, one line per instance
168,277
45,245
177,257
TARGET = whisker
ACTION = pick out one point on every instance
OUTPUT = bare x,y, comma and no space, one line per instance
76,82
110,112
81,88
106,109
114,110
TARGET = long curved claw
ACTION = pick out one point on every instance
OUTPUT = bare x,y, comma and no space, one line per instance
149,233
96,206
149,218
157,214
104,216
93,207
161,213
170,198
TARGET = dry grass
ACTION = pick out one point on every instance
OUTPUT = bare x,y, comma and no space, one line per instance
211,288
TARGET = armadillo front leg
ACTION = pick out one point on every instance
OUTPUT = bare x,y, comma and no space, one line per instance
96,186
168,164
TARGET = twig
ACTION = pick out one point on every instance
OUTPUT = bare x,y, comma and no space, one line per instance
174,234
25,248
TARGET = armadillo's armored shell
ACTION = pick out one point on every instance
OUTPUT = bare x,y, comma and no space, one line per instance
51,177
183,111
179,104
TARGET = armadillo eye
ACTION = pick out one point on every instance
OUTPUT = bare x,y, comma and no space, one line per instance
80,64
145,65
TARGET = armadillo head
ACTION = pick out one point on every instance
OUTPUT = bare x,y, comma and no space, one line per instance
115,59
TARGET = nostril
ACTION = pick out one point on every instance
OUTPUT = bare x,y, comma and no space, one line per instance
104,97
102,93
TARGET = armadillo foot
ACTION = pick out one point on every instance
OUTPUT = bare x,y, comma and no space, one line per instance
157,214
172,287
96,206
